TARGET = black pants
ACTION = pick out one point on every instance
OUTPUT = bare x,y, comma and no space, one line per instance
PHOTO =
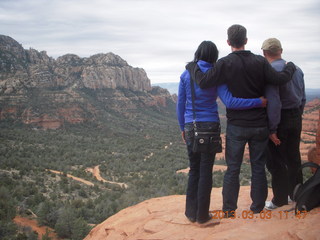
200,175
284,160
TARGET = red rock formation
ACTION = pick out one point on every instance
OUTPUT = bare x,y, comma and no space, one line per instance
54,120
310,116
318,141
314,152
8,112
163,219
39,90
309,129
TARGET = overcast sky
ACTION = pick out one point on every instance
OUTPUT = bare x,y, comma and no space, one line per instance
160,36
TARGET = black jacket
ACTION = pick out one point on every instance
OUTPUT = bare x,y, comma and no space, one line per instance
246,75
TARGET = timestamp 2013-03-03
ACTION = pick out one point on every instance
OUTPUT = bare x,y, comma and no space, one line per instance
265,214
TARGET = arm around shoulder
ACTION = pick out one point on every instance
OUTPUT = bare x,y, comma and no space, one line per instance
279,78
232,102
205,80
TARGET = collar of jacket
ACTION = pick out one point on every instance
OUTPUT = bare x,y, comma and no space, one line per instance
204,66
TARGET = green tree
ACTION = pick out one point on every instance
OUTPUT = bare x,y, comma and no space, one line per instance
71,226
80,229
65,222
7,208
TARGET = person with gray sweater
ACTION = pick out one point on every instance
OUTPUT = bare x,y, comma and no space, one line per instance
284,109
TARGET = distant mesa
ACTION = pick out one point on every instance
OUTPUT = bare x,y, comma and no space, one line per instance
20,68
37,90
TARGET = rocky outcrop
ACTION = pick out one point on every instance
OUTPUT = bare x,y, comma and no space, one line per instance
309,128
39,90
163,219
314,152
318,141
20,68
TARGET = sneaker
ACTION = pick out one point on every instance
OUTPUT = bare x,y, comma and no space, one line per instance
270,205
290,200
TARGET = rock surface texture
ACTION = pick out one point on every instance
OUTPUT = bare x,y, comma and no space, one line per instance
163,219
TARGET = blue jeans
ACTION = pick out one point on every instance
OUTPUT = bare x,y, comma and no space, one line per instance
200,175
236,139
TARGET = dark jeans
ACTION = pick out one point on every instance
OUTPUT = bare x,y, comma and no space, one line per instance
284,160
236,139
200,175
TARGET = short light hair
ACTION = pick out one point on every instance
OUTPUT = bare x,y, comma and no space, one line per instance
272,53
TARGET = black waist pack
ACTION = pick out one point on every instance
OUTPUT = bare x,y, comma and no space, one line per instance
307,195
206,141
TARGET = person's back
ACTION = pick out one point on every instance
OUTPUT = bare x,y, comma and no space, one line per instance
246,76
292,94
204,115
246,79
285,108
205,102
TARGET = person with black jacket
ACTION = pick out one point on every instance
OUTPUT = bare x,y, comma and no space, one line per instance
246,76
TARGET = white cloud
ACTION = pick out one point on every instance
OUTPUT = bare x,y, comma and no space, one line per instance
162,35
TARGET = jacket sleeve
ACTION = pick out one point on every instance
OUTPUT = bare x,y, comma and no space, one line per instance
181,104
208,79
279,78
237,103
303,97
273,107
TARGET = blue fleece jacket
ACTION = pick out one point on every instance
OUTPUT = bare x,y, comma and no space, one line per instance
206,107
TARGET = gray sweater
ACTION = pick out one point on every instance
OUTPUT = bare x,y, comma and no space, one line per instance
288,96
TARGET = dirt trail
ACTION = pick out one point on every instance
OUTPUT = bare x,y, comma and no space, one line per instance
73,177
96,173
41,230
215,169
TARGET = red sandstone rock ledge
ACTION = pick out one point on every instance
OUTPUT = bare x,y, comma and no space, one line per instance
163,219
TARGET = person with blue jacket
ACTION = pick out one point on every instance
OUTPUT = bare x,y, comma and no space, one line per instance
207,117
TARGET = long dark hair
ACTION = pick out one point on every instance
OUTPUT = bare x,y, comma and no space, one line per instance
207,51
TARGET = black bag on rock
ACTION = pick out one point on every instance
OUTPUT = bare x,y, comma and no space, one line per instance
307,195
205,140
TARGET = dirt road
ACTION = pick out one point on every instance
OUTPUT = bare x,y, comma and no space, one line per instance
26,222
73,177
96,173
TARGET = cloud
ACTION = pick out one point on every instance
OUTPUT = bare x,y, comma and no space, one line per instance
162,35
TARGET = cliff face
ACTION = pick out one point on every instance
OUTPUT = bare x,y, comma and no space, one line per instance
37,89
163,219
20,68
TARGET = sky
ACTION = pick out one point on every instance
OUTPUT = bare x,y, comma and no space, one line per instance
161,36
